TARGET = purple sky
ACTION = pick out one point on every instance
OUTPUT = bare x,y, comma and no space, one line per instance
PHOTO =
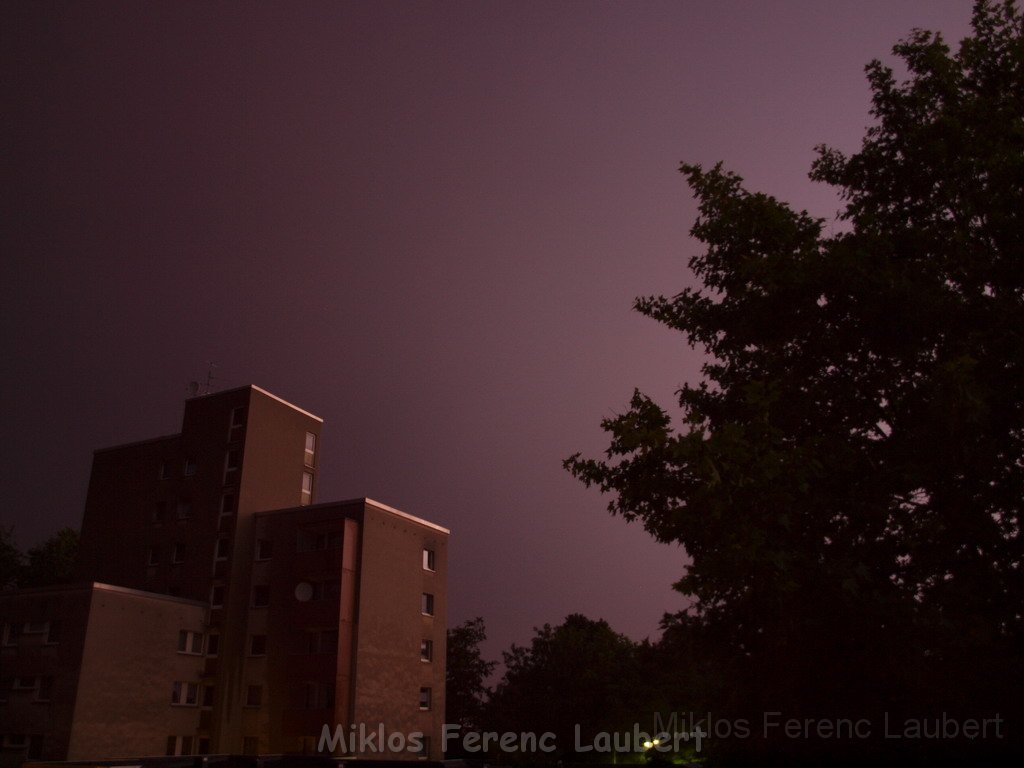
424,222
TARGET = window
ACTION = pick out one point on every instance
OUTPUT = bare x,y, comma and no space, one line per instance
204,745
25,683
52,632
159,512
250,745
319,695
15,741
237,424
179,745
307,541
153,556
217,596
184,509
35,628
425,749
227,504
428,559
213,644
254,696
190,642
178,553
165,470
307,488
207,699
260,596
310,457
424,698
427,604
12,631
184,694
258,645
45,689
190,467
232,461
222,549
264,549
35,746
426,650
323,641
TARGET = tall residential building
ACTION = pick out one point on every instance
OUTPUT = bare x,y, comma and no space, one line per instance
308,614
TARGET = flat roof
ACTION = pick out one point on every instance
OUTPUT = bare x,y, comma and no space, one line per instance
362,500
94,586
262,391
135,443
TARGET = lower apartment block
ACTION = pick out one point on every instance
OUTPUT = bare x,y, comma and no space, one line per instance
335,617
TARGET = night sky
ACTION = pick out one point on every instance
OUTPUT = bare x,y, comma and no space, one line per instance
424,222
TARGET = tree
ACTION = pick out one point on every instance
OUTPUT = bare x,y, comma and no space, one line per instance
10,559
580,672
847,477
53,561
466,674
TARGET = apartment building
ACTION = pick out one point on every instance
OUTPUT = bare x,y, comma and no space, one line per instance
267,616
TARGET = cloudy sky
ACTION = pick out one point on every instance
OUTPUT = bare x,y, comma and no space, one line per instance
424,222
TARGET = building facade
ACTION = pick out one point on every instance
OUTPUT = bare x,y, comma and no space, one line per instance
312,614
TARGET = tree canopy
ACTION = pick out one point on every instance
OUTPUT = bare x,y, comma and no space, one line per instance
847,476
466,673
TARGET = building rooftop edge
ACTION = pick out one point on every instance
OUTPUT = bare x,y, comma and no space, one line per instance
262,391
93,586
358,500
137,442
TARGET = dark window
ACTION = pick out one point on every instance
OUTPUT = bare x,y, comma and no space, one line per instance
264,549
254,696
427,650
260,596
427,604
258,645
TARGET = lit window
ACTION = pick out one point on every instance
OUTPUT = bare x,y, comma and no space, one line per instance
427,604
260,596
178,554
307,488
254,696
424,698
258,645
310,457
190,642
190,467
264,549
426,650
185,694
428,559
153,556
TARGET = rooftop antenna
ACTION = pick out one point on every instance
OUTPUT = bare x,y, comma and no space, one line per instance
209,377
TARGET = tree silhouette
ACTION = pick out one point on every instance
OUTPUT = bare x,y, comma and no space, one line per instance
847,477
